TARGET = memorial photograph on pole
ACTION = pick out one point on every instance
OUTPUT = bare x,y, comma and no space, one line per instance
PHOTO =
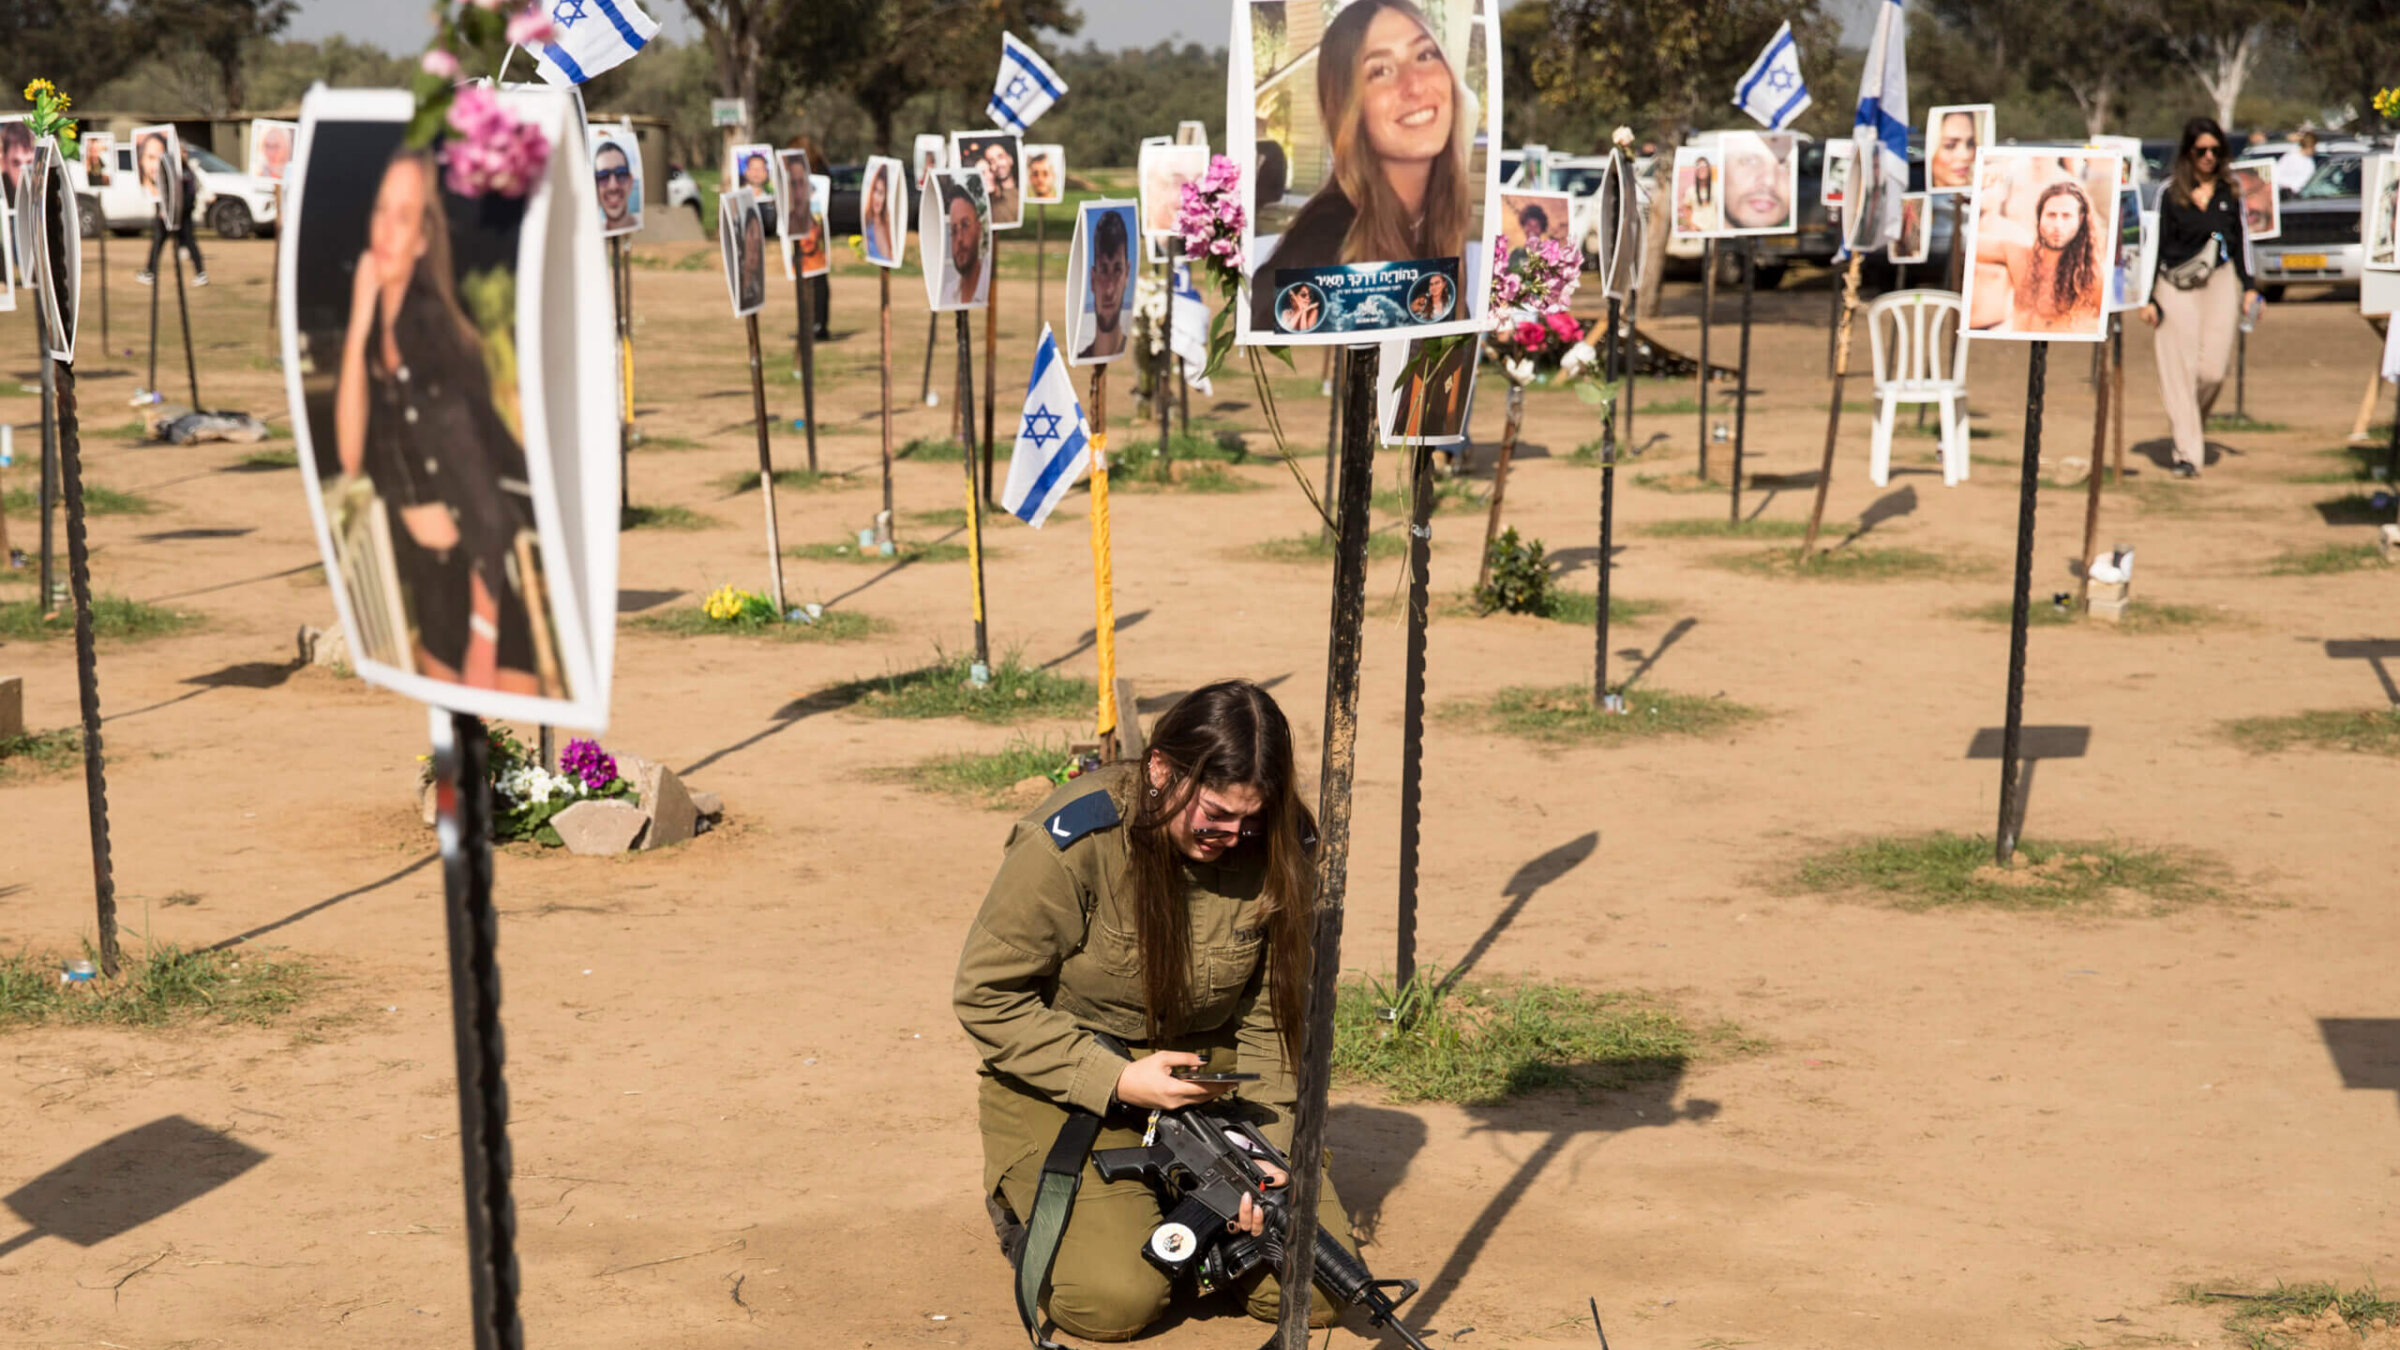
742,240
2042,237
954,240
1100,290
883,213
617,177
1393,236
1045,175
929,152
270,148
1953,134
1914,243
1000,154
2262,207
1163,170
1418,404
446,357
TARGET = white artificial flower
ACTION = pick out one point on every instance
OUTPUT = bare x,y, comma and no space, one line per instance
1519,369
1577,362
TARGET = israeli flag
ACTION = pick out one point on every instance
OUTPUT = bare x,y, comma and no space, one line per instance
1879,172
594,37
1772,90
1187,331
1053,442
1026,88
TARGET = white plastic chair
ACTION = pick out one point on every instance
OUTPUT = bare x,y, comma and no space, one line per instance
1920,357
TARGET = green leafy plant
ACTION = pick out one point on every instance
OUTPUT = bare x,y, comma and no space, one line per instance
1520,576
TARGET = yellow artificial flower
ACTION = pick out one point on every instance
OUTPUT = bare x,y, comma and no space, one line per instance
39,86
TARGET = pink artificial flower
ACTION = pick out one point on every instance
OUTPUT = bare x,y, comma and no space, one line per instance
438,61
489,4
1530,336
531,27
490,151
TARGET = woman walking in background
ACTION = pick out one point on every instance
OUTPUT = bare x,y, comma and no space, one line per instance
2195,303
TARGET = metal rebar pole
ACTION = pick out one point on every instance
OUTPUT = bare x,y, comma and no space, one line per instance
183,309
1630,355
966,385
933,339
1741,396
807,306
1412,703
991,362
1708,302
1333,437
2004,840
883,278
1333,848
152,386
463,799
47,490
2116,402
766,468
87,674
1847,289
2241,372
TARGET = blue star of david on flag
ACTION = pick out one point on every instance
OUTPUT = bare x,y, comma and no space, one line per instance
1025,87
1772,90
1053,447
586,48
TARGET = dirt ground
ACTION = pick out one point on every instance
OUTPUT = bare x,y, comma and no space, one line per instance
743,1113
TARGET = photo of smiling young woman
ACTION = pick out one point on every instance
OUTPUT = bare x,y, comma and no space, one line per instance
1360,150
1698,211
882,215
1952,136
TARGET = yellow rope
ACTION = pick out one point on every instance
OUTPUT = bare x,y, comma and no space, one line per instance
1104,585
625,351
974,541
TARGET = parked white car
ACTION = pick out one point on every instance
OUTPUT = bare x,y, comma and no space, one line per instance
232,203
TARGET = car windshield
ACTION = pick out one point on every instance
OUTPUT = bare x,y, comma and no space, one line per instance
2334,178
208,163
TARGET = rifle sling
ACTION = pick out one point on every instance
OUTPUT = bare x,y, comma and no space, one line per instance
1053,1205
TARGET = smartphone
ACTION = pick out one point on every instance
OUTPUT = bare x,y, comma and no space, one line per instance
1195,1074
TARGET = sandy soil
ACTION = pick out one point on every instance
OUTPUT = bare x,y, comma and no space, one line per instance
743,1112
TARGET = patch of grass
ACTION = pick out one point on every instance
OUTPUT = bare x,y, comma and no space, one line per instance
259,461
1583,609
2358,464
1932,430
834,625
1717,527
1844,564
987,777
931,450
1679,482
801,480
950,518
2241,422
1015,693
668,518
645,441
1312,546
1140,450
2323,561
902,551
160,987
113,617
2259,1318
1183,475
37,753
1564,715
1449,495
2373,731
2143,616
1942,870
133,430
97,501
1480,1043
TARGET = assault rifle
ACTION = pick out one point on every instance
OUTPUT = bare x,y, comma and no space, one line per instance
1204,1162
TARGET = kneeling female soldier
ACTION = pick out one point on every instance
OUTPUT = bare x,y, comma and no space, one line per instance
1168,905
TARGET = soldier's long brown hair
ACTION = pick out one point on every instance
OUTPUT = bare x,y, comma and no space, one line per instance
1224,735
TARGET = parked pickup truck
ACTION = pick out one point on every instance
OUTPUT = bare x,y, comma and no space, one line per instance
232,203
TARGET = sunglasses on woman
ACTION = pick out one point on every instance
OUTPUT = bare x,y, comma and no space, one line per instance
2199,150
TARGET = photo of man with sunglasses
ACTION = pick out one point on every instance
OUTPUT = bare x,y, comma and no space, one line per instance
619,188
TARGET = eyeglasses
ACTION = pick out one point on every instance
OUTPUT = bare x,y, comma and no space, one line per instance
621,175
1205,829
2199,150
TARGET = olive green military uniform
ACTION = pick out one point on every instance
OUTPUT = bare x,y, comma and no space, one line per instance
1051,958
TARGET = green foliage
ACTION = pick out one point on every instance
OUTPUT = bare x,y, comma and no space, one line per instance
668,518
263,460
1844,564
1482,1043
1520,579
1942,870
930,450
2257,1317
1014,693
2329,559
163,986
902,551
797,480
2142,616
113,617
1718,527
1450,495
34,753
1582,608
1311,546
97,501
1565,715
986,777
834,625
2373,731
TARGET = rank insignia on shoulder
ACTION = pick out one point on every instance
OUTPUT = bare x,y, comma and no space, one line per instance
1080,817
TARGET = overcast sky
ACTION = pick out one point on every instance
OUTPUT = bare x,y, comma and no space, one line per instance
1111,23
